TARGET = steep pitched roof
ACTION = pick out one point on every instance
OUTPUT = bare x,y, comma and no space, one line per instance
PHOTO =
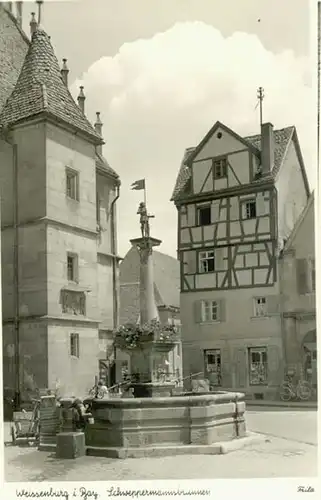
282,140
102,163
166,283
309,206
40,89
14,46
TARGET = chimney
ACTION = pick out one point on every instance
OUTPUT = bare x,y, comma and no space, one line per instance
99,127
81,99
33,23
9,5
64,72
267,148
19,13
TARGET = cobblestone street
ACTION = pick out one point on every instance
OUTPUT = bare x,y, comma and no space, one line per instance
290,450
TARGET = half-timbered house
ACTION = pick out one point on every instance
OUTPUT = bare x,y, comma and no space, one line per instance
238,199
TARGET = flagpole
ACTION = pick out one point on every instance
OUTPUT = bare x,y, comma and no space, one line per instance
145,193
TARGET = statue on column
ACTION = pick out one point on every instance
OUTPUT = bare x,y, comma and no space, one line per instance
144,220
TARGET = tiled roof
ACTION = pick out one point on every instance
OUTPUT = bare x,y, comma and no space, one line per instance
40,89
166,283
13,49
281,141
282,138
102,163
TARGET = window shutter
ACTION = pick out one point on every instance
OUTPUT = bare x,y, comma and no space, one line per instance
234,209
312,275
218,264
191,215
302,276
260,205
222,309
226,368
190,259
241,368
273,304
274,365
215,211
198,311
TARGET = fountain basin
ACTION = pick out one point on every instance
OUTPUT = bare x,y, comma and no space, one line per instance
157,426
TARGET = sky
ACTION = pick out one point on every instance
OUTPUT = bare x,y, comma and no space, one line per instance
163,72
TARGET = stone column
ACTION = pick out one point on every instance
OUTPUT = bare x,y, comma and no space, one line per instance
148,308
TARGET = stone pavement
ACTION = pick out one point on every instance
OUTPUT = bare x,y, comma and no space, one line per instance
275,457
282,404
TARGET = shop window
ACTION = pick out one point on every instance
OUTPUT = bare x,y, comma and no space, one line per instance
213,366
258,366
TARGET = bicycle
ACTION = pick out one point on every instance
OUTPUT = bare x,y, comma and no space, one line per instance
301,391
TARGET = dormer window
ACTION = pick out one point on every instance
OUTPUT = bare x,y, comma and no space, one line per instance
204,215
220,168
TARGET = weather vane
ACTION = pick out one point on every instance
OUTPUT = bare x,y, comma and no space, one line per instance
260,96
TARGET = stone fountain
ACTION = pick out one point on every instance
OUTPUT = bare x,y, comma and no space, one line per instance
149,354
154,422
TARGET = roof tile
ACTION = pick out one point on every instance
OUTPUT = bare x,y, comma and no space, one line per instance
281,140
40,88
103,163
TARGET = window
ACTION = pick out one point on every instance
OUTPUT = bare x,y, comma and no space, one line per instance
72,267
206,262
312,271
72,184
74,344
249,210
209,310
213,366
258,365
220,168
260,306
204,216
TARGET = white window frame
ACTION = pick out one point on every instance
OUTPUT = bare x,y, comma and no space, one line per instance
260,366
246,209
220,166
72,184
204,257
73,258
74,345
260,307
210,311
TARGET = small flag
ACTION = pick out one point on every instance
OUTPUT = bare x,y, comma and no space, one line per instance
137,185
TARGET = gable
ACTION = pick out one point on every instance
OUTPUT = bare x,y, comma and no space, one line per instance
221,141
282,138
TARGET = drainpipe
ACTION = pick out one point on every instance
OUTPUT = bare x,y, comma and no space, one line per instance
16,277
113,251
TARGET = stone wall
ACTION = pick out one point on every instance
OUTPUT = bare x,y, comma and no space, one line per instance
171,421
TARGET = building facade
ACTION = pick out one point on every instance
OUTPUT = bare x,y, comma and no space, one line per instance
58,208
238,200
166,272
297,279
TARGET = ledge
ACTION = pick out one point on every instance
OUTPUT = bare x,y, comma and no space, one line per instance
168,402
